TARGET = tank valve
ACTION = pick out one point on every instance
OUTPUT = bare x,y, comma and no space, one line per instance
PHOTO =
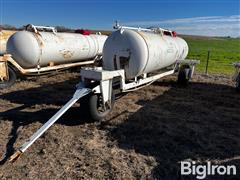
117,25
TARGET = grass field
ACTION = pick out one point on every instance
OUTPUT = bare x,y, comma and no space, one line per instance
223,52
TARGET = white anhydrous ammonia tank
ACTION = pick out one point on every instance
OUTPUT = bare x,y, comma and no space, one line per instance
31,49
140,52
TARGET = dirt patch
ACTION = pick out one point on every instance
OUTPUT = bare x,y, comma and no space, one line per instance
146,136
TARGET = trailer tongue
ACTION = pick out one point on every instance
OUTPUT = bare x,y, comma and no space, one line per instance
80,92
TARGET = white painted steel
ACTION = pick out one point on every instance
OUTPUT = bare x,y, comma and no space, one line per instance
31,49
139,52
77,95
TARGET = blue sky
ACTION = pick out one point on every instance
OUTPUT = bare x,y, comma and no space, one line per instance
202,17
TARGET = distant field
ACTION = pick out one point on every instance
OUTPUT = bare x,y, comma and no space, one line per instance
223,52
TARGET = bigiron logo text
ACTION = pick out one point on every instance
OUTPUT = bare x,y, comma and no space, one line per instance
201,171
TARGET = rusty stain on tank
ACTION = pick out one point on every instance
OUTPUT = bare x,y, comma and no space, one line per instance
142,35
39,39
60,39
66,53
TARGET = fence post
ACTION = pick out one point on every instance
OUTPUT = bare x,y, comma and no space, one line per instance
208,55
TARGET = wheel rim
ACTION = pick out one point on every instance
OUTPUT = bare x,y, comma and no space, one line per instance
100,107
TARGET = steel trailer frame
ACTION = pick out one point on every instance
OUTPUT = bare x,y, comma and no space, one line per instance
7,58
105,79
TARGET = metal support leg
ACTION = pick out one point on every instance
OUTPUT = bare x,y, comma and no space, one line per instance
77,95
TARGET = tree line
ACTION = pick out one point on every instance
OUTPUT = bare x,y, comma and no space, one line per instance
58,28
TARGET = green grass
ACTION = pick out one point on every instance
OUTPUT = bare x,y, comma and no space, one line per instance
223,52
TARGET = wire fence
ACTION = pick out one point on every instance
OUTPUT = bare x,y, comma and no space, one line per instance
214,61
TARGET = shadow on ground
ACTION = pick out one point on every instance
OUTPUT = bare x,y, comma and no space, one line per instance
201,122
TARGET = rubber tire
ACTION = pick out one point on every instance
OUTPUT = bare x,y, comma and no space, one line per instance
88,108
183,79
238,83
11,81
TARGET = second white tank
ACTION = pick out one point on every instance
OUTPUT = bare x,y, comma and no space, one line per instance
31,49
140,52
